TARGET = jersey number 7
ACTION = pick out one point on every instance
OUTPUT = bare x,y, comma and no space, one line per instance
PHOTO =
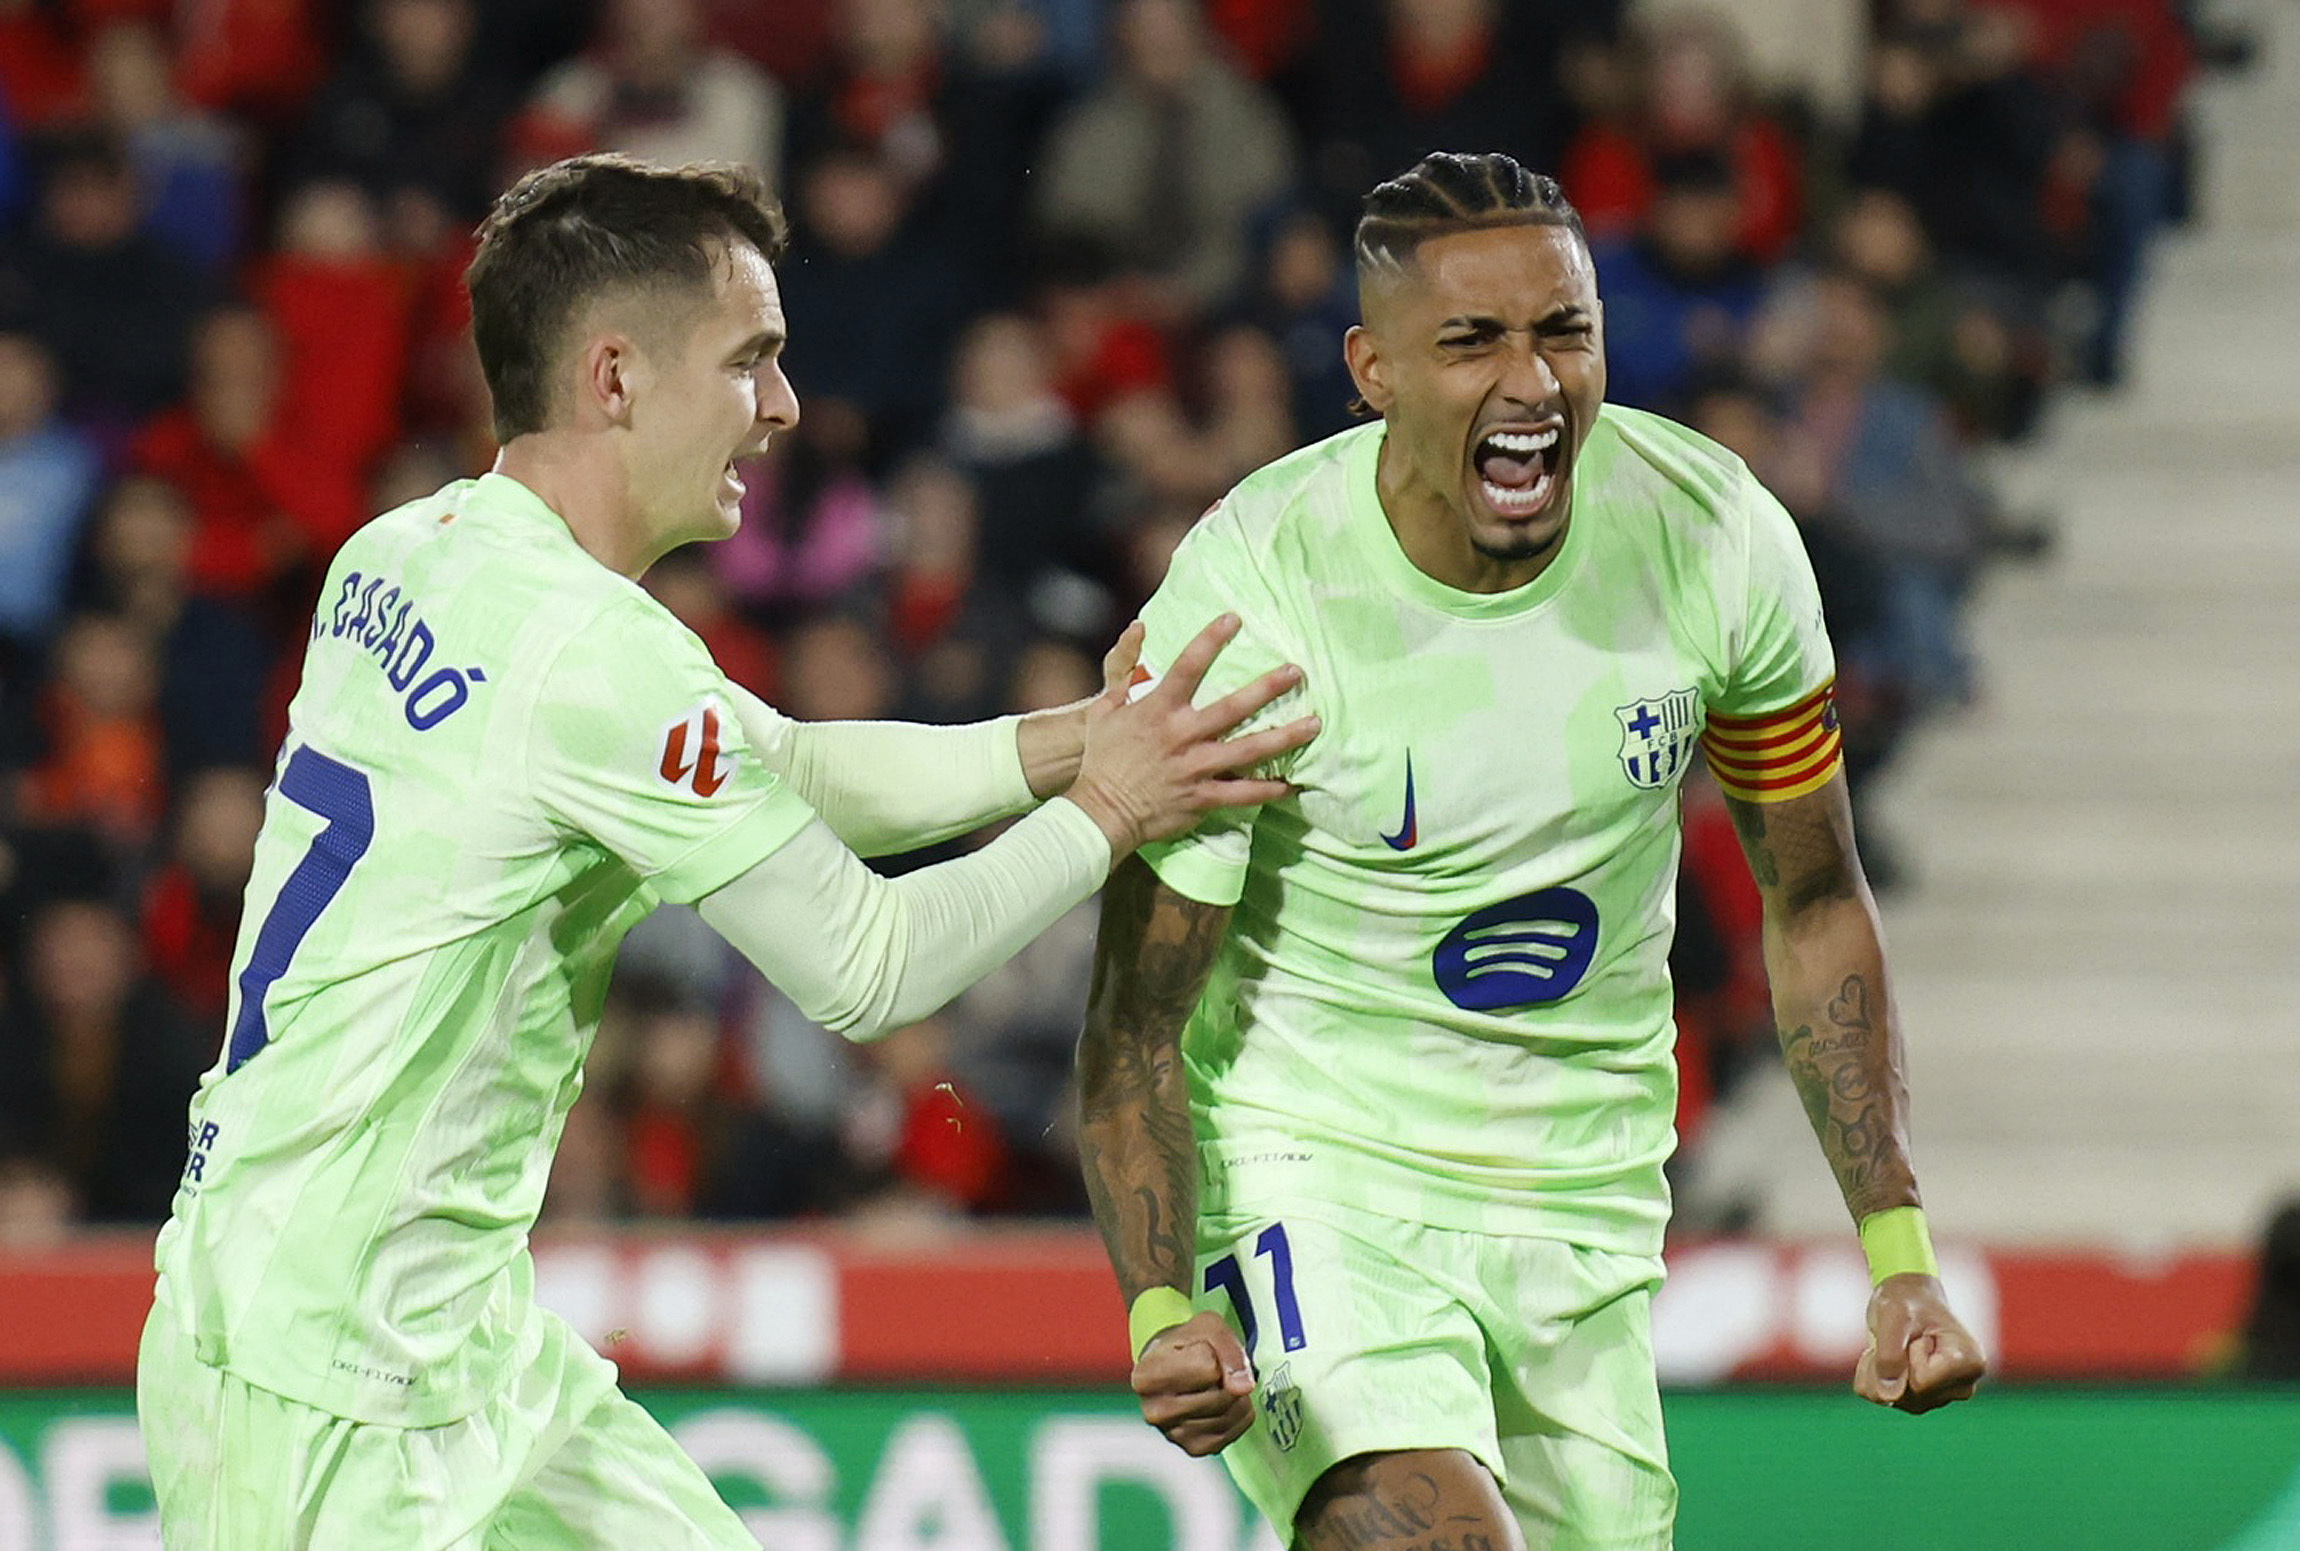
340,795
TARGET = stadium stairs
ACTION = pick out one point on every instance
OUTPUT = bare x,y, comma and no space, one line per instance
2098,953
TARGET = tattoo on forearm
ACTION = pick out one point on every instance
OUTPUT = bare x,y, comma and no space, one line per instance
1135,1139
1853,1095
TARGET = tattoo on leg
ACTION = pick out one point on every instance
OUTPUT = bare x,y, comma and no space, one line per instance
1407,1520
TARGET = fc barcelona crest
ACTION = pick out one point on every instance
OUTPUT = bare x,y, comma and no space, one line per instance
1282,1408
1657,737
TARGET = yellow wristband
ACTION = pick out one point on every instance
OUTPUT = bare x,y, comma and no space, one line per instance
1897,1242
1159,1308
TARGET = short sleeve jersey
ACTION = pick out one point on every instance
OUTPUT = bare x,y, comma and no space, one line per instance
1444,996
501,757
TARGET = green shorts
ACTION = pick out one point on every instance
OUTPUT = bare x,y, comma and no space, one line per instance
560,1461
1371,1335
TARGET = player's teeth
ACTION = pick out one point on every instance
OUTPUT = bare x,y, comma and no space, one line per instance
1520,442
1526,500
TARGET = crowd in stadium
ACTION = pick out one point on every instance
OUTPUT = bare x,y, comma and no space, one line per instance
1062,272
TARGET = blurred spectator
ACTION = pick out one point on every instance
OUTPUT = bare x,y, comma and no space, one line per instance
1389,80
1248,408
812,527
936,553
102,1065
189,163
1679,296
957,137
48,477
1688,94
687,583
873,305
1035,476
1166,163
412,116
116,306
216,664
1100,326
1306,300
836,669
2122,67
42,80
191,916
1012,1034
35,1202
339,304
270,502
103,766
1878,458
671,1121
933,1141
256,58
1956,121
2270,1345
1956,342
655,86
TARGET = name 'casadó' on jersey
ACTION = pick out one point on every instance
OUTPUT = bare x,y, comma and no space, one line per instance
502,756
1445,992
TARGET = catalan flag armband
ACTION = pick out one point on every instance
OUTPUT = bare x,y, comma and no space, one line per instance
1779,755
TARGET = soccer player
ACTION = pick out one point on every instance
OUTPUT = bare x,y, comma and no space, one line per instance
1380,1075
502,755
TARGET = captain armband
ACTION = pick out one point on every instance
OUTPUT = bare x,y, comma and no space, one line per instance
1779,755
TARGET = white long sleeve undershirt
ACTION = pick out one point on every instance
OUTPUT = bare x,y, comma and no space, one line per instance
885,787
864,955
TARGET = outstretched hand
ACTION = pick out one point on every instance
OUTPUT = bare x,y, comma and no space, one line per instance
1196,1384
1155,763
1920,1356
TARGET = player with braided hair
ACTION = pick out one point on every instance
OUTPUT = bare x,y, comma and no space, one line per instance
1377,1083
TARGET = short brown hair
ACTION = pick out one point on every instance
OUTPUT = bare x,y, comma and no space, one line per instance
566,234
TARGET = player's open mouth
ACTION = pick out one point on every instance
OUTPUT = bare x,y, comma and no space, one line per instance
733,478
1517,469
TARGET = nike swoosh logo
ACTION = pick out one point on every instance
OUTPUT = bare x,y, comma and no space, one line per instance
1407,833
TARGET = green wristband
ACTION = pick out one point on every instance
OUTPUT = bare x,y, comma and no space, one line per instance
1898,1243
1159,1308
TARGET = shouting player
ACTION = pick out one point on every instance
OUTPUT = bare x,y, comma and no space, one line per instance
1377,1082
503,754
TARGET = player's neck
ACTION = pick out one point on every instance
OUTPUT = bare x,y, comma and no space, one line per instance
1434,540
588,489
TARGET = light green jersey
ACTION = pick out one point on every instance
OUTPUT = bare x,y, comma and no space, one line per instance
501,757
1445,993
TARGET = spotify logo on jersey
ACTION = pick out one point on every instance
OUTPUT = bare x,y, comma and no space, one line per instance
1519,953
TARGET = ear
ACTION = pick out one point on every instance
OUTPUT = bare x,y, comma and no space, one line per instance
610,363
1367,369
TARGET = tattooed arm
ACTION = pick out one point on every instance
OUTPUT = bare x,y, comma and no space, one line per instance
1825,959
1141,1158
1826,964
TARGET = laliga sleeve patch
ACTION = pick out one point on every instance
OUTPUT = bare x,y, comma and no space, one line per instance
693,759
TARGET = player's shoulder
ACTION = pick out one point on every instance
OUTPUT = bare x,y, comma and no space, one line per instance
1286,510
488,557
1654,460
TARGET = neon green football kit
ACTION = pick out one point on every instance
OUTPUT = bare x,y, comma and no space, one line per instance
1432,1074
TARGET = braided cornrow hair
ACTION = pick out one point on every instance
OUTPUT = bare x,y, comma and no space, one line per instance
1449,191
